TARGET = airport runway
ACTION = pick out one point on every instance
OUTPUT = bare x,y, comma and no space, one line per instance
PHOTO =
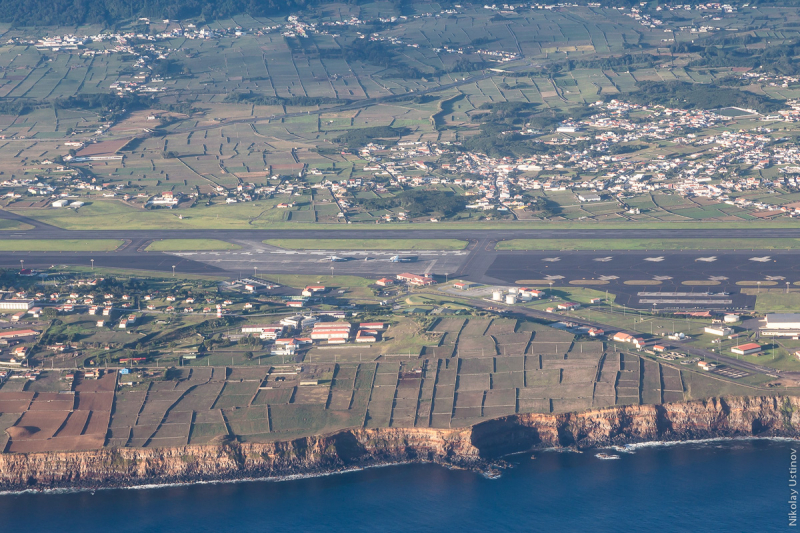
664,280
710,279
269,259
493,235
42,230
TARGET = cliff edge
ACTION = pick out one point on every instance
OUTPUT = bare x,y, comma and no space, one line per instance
767,416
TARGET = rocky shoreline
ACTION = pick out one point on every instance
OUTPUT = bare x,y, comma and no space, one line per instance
475,447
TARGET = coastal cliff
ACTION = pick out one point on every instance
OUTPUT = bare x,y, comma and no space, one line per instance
777,416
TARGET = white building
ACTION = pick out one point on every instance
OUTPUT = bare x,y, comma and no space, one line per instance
8,305
781,325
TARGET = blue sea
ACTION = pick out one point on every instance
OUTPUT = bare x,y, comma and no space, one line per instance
740,485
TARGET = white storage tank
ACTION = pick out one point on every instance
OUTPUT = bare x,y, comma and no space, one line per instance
513,290
511,299
525,296
497,296
730,319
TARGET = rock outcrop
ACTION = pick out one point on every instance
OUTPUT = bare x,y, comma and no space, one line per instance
464,447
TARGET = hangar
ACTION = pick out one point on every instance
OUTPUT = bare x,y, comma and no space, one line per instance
781,325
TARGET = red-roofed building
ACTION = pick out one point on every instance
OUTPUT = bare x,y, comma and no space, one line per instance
415,279
747,349
18,333
372,325
621,337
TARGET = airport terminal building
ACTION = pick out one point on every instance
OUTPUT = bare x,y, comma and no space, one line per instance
781,325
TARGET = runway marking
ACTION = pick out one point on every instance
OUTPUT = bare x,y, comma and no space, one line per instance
707,259
663,294
553,278
608,278
551,259
655,259
764,259
430,267
662,278
698,302
603,259
718,278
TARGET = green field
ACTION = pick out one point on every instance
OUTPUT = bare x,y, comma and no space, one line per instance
13,225
649,244
300,281
368,244
183,245
767,302
60,245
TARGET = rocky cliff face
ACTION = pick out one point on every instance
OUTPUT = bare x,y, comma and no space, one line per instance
468,447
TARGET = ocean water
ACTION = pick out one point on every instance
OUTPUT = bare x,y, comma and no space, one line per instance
711,486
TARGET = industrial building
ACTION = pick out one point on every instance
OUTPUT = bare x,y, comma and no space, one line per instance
781,325
747,349
15,305
718,330
329,331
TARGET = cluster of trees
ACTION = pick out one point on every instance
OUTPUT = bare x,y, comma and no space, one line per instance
418,203
780,59
76,12
260,99
106,104
380,54
625,60
356,138
373,52
684,95
168,68
544,207
16,107
497,137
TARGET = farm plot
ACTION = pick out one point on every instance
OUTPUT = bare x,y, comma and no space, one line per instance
672,384
200,398
507,380
379,410
651,382
468,404
500,402
477,346
273,396
236,394
475,328
509,344
248,421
